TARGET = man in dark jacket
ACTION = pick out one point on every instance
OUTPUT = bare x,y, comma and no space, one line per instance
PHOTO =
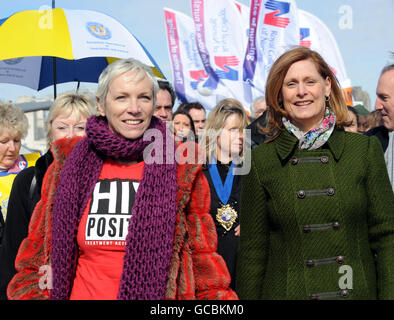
165,101
257,137
385,103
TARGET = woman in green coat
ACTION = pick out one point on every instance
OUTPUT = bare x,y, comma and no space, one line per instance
317,208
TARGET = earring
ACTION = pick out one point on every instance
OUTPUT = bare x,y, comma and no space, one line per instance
328,98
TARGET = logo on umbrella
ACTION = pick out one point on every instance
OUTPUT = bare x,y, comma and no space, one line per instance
98,30
13,61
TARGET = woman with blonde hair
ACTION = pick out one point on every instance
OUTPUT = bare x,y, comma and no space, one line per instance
317,206
223,141
123,226
66,118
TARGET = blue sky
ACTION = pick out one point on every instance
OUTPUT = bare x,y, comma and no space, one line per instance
365,47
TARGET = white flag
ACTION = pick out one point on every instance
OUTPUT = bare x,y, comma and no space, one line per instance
188,71
244,10
315,34
221,41
273,30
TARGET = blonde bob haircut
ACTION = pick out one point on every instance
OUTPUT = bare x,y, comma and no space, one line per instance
13,119
273,92
76,104
120,67
216,121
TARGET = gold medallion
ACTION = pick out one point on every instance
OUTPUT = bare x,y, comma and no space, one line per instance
226,216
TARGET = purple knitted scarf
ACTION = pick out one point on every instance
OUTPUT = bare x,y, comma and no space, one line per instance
150,238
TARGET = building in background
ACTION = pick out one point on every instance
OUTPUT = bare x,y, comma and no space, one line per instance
36,110
361,97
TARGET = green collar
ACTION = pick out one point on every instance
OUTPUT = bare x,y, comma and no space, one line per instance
286,143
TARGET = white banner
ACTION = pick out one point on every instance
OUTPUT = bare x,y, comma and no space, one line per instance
315,34
188,71
21,71
221,41
245,14
274,29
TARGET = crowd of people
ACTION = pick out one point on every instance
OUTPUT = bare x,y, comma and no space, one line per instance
111,211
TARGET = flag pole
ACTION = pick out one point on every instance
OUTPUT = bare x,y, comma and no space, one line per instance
54,64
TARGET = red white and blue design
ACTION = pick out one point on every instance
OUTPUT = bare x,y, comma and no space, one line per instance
221,42
230,49
191,82
277,17
305,37
273,29
315,34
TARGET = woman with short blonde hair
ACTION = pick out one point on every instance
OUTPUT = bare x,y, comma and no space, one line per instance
66,105
151,241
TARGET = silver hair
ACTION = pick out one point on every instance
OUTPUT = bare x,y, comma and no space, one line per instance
256,102
122,66
13,118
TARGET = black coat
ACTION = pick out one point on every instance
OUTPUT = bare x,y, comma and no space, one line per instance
382,133
23,199
257,137
227,241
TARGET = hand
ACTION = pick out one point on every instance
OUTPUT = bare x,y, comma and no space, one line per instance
224,62
231,74
237,230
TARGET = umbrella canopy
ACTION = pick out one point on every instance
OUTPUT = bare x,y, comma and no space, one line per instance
83,41
38,72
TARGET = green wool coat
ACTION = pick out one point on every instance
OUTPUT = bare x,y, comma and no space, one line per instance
317,224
